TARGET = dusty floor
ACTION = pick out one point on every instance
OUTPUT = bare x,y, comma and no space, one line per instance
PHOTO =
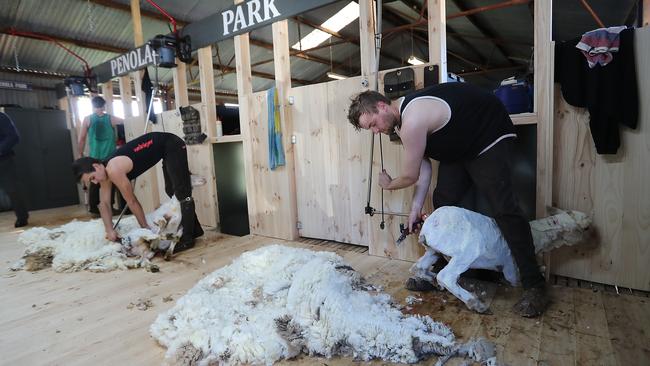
84,318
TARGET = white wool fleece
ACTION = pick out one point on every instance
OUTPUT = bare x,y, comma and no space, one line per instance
230,316
82,245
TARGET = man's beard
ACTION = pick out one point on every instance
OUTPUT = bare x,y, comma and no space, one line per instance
394,124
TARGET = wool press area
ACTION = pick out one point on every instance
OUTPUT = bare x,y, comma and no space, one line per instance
257,182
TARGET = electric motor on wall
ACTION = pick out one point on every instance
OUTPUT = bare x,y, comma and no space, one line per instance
165,47
184,49
78,84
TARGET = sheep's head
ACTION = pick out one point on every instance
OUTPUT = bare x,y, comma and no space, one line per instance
582,219
139,242
563,228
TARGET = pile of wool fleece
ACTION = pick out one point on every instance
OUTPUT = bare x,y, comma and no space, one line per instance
82,245
277,302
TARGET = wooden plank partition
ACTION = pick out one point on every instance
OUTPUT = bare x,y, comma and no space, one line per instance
331,164
332,161
614,188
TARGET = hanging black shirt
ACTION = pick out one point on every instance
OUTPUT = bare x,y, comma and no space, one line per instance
609,92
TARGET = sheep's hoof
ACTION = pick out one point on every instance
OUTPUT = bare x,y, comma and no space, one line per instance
169,253
419,284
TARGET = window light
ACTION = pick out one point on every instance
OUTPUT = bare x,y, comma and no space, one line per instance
415,61
336,76
231,105
337,22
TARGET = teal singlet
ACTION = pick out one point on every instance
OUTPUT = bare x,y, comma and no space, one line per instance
101,136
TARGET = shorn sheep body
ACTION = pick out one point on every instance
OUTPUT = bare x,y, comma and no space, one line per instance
471,240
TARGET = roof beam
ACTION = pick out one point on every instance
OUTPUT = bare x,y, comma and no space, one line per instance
229,69
39,73
493,40
353,40
397,19
413,5
300,54
480,26
591,11
469,13
144,13
76,42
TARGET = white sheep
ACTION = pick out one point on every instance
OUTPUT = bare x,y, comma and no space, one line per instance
471,240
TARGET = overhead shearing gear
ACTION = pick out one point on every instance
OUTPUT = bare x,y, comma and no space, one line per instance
192,126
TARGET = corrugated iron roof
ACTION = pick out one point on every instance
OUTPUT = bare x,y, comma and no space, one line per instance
94,21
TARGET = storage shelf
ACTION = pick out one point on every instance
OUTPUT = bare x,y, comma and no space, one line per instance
226,138
524,118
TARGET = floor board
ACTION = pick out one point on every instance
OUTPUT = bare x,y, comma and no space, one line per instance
83,318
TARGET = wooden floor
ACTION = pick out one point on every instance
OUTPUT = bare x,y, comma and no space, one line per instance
84,318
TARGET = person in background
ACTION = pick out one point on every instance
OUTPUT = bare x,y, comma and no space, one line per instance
99,129
8,178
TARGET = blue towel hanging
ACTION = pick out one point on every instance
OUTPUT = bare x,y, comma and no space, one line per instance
276,150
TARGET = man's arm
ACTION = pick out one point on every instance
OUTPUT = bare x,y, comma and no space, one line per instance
82,135
420,193
8,134
115,120
105,210
124,185
422,186
414,140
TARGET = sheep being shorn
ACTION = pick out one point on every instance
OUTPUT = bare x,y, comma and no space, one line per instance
278,302
81,245
471,240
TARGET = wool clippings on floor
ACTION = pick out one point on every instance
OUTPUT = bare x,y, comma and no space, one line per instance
277,302
82,245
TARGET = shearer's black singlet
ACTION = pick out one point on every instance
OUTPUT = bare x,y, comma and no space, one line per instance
145,151
478,121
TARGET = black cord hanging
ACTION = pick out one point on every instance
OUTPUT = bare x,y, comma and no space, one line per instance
382,225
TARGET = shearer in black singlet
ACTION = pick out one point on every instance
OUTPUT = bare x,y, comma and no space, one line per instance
130,161
468,130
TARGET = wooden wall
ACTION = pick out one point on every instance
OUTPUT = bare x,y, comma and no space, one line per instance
200,163
614,188
268,201
332,162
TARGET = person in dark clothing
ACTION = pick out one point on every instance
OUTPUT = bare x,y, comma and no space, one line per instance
8,177
130,161
469,131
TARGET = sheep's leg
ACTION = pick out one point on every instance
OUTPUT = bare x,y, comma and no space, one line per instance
510,272
423,279
421,268
148,265
448,278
